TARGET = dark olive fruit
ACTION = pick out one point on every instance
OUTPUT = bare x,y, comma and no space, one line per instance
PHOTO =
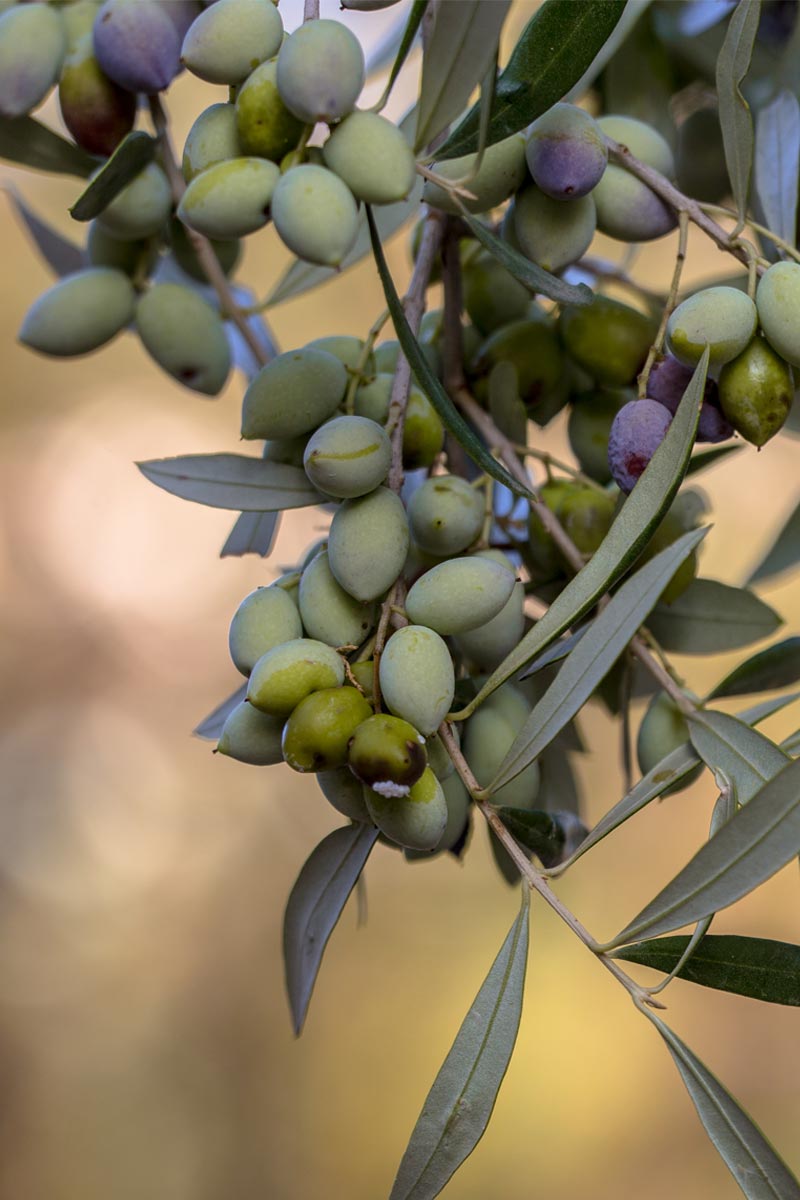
137,44
637,431
668,381
590,420
319,730
756,392
95,110
387,754
532,348
566,152
492,296
675,523
608,339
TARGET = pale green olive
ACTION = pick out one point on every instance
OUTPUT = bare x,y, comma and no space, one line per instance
346,793
417,677
368,543
230,38
252,737
445,514
502,172
266,618
321,71
460,594
347,457
722,318
329,613
293,394
79,313
141,209
416,820
287,674
315,214
231,198
212,139
778,301
372,157
185,336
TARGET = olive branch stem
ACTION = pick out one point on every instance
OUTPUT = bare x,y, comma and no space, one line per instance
533,878
200,244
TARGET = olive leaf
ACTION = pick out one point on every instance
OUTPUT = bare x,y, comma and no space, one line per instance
60,254
131,156
505,407
397,44
232,481
26,141
253,533
745,756
429,382
776,667
629,534
594,656
527,272
712,617
556,47
783,554
747,966
537,831
777,163
754,1164
761,838
211,726
733,64
314,906
460,1102
462,44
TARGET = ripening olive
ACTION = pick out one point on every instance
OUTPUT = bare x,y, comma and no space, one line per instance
286,674
387,754
423,432
94,109
667,382
264,124
722,318
756,392
318,732
637,431
608,339
231,198
137,44
566,152
417,820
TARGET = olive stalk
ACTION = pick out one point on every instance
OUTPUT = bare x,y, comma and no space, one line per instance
201,245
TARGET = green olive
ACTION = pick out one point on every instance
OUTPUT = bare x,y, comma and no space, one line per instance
318,732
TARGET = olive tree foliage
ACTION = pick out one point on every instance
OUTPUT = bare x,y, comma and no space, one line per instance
429,661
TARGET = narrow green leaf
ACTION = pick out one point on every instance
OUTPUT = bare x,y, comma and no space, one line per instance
302,276
314,906
460,1102
746,966
633,11
761,838
131,156
791,744
26,141
777,163
253,533
60,254
743,755
556,47
462,44
639,516
557,652
594,656
733,64
784,553
211,726
707,458
558,787
428,381
671,770
776,667
536,831
712,617
527,272
232,481
754,1164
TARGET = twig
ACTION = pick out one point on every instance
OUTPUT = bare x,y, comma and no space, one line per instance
676,199
754,225
529,873
447,185
549,460
680,259
310,10
201,245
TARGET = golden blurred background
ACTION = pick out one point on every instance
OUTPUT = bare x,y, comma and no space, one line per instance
145,1040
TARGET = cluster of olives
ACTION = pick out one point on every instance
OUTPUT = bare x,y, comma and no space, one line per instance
245,161
753,345
563,187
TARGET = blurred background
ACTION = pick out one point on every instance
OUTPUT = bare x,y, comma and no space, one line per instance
145,1040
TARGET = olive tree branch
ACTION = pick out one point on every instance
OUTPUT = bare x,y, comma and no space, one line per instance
535,881
201,245
676,199
310,10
